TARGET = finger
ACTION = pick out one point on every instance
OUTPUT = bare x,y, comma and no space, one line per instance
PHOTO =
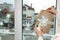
35,29
52,10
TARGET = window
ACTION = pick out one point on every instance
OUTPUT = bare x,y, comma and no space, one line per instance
24,8
29,21
24,16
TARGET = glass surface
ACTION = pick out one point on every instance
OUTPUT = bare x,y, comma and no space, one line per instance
32,9
7,20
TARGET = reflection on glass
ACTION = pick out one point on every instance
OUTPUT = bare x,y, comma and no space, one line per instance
7,20
29,17
44,21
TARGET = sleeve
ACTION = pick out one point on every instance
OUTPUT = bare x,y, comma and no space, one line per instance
40,38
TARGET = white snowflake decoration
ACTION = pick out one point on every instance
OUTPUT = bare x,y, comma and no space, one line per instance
44,21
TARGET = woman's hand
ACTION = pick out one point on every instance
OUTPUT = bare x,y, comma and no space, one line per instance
52,10
39,33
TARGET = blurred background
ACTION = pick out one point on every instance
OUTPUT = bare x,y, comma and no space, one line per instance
6,19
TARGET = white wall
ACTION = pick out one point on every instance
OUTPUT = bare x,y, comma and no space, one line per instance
18,19
58,17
